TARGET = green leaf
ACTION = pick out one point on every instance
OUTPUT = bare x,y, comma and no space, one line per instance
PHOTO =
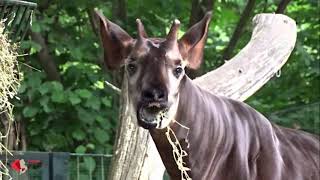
30,111
45,88
85,115
104,122
44,102
78,134
22,88
58,97
84,93
90,163
36,27
91,146
80,149
34,80
101,136
100,119
74,98
106,101
93,103
56,86
76,53
31,45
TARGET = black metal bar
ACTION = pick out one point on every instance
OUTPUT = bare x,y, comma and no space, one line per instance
26,26
3,10
16,17
19,26
9,17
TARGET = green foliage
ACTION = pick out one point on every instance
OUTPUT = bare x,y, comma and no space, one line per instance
75,114
79,113
293,99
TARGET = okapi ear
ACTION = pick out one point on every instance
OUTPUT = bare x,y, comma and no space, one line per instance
192,43
116,42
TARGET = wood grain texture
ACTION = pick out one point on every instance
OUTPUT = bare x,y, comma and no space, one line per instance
272,41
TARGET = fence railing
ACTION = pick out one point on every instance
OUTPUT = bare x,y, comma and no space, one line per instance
59,166
88,166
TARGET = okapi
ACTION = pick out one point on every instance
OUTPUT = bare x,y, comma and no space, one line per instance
220,138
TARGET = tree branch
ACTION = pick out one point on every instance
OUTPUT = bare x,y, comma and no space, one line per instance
198,10
45,59
119,10
227,54
113,87
282,6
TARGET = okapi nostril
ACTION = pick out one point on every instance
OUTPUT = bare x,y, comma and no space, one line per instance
154,95
158,95
147,95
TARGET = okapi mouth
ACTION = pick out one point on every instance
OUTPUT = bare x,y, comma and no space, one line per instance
150,115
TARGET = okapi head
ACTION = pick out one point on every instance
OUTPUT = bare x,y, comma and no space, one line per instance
154,66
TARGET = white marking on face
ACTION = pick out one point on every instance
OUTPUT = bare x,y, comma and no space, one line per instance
155,45
173,98
172,54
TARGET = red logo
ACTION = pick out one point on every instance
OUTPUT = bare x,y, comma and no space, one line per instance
19,165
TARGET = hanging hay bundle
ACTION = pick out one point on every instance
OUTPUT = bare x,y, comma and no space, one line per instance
9,83
9,73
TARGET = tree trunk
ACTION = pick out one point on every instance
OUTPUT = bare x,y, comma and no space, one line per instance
119,10
282,6
45,59
238,31
272,41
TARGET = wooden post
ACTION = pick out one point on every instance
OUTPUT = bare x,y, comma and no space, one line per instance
271,44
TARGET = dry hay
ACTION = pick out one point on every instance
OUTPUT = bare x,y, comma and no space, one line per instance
9,83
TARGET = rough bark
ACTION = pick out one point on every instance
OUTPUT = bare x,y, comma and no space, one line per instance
272,41
198,10
227,54
130,148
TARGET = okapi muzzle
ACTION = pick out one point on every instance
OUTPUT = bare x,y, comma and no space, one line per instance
154,66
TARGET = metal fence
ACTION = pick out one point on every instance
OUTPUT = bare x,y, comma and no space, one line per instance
88,166
59,166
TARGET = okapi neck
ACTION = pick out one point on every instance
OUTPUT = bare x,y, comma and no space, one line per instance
194,112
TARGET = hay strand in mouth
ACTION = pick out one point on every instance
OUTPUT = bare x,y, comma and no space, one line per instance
178,152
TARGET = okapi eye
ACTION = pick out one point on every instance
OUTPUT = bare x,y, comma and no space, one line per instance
132,68
177,71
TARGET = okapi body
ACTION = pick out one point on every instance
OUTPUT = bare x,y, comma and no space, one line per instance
229,140
224,139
